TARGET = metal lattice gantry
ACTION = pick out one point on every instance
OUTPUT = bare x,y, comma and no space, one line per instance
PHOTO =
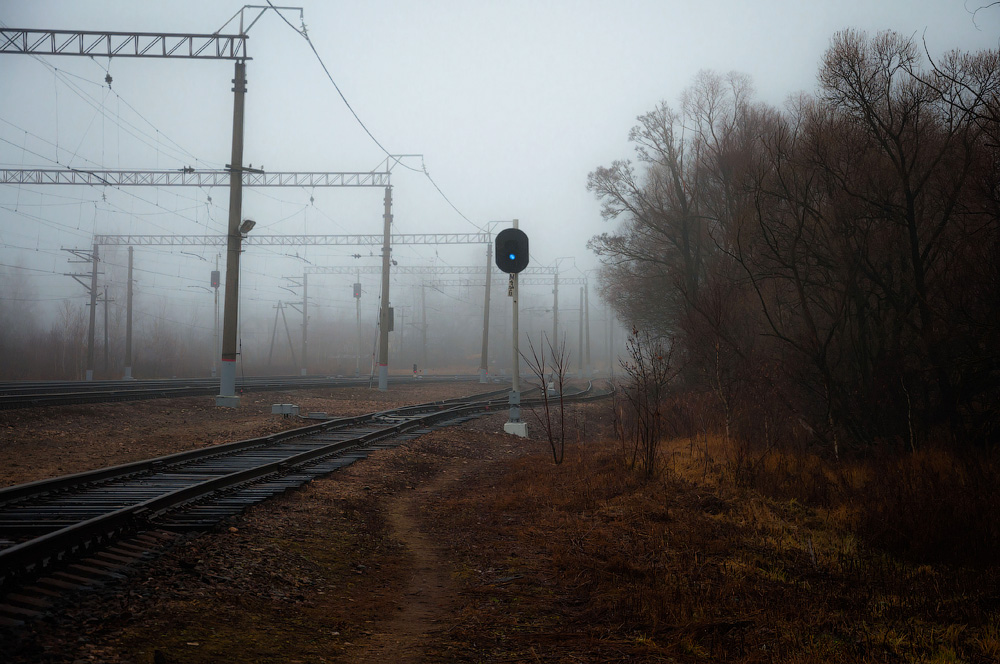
290,240
502,279
216,46
308,240
189,177
123,44
422,269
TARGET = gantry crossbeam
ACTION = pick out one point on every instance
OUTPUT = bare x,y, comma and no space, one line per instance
290,240
502,279
190,178
419,269
123,44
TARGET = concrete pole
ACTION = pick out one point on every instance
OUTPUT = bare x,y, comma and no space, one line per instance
611,344
383,332
555,311
128,321
423,326
580,361
107,354
402,329
586,301
216,350
227,383
484,367
93,315
305,321
357,313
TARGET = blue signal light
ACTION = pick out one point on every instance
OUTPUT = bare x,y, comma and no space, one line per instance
511,250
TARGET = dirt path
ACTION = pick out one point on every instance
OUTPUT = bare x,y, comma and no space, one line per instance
429,595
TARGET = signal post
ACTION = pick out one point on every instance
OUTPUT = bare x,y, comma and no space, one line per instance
512,257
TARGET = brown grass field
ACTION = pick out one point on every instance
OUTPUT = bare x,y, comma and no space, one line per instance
468,545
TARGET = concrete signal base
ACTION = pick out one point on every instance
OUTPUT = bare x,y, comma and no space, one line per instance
516,428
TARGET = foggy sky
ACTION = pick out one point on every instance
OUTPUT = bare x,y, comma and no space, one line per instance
511,104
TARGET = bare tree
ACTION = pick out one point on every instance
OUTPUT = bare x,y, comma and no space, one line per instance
551,372
641,424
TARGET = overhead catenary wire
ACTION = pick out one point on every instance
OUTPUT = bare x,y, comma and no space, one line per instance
423,169
111,209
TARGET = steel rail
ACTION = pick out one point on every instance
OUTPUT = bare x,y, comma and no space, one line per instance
14,396
73,541
11,494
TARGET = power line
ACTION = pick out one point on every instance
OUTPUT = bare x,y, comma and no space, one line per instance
336,87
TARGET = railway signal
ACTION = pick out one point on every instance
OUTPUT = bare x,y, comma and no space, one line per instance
512,250
512,257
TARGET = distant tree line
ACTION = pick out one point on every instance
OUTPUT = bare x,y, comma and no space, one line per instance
830,271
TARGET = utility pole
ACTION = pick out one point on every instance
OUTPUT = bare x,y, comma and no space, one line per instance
484,367
227,384
173,45
107,363
93,317
586,290
90,257
383,332
216,349
357,313
611,344
423,326
128,321
555,313
402,328
305,321
580,361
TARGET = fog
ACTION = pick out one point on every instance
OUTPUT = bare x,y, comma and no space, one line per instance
507,105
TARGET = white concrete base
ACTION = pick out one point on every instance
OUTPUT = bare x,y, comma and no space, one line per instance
516,428
227,384
483,376
227,401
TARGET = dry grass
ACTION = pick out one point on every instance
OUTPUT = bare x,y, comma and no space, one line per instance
586,561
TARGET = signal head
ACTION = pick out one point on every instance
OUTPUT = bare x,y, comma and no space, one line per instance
511,250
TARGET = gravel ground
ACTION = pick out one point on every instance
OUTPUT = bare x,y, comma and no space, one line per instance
57,440
350,568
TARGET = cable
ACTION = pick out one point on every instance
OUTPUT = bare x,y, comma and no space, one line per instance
336,87
117,188
448,200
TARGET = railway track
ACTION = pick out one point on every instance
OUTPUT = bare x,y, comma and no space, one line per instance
77,530
30,394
